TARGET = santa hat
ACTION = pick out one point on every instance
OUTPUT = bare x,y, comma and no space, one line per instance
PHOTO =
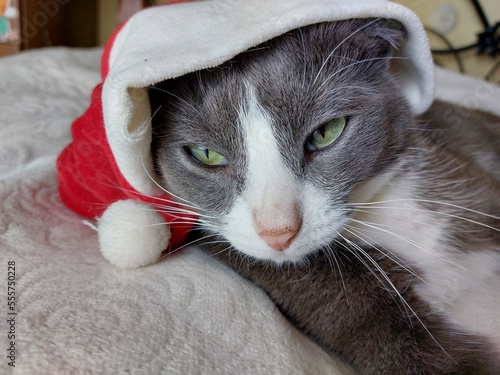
107,172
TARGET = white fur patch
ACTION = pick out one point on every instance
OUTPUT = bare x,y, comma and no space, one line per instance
464,286
273,198
468,292
392,220
271,192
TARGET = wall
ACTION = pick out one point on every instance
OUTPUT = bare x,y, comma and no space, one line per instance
467,24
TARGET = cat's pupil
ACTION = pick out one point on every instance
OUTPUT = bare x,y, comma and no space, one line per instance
206,156
326,134
322,131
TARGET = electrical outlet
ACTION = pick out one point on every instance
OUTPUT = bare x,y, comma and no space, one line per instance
444,19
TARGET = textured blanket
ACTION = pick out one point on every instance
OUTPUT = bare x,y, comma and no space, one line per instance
74,313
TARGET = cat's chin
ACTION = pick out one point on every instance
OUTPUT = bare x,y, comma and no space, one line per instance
296,254
280,258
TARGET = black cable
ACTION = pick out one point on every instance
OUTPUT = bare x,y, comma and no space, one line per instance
455,50
480,13
487,41
492,71
452,50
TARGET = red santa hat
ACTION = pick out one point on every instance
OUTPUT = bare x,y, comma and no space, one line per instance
107,172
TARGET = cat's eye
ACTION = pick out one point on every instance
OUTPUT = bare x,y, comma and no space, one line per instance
326,134
206,156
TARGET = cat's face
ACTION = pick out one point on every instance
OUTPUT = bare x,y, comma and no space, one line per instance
269,148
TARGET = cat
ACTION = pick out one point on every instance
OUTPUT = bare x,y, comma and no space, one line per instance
312,179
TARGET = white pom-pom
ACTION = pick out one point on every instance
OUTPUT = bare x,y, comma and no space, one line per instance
132,234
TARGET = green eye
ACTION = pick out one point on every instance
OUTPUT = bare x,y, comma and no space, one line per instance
206,156
326,134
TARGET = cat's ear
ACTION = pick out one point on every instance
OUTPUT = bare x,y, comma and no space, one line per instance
386,37
392,48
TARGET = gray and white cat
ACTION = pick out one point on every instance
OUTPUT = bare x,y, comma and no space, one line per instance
312,179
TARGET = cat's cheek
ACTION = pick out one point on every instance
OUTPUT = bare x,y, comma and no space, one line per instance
321,224
323,219
239,230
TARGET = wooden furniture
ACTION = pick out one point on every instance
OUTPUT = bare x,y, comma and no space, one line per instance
45,23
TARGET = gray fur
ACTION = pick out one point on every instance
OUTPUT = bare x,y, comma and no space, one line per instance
202,108
297,105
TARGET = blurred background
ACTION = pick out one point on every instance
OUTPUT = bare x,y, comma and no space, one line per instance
464,34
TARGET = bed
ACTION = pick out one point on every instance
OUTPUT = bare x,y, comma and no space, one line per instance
76,314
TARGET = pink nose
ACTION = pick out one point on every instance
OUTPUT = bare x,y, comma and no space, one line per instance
279,239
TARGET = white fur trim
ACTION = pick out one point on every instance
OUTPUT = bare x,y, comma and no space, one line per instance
132,234
170,41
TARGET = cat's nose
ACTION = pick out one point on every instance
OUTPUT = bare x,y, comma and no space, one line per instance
278,224
279,239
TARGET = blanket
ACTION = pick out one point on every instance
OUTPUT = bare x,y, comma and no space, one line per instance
75,313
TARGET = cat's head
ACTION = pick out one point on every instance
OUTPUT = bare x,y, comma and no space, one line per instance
270,147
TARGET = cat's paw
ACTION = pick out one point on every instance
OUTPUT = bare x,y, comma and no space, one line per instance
132,234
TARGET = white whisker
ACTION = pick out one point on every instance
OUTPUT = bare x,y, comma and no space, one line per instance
175,96
171,201
435,212
387,253
172,210
340,44
407,240
165,190
187,244
332,253
393,287
357,63
418,200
